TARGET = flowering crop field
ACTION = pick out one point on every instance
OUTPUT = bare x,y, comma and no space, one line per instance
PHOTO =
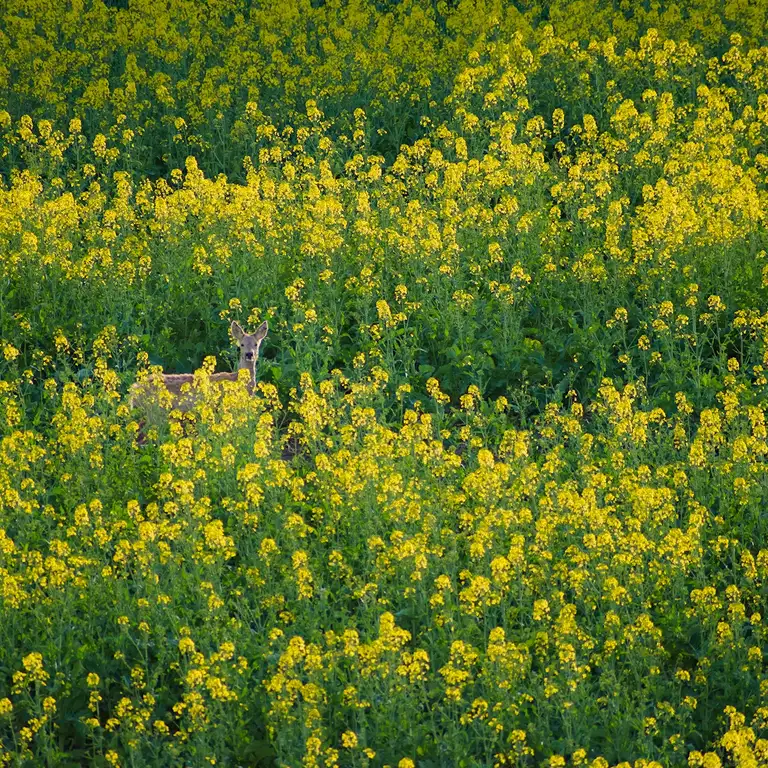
499,495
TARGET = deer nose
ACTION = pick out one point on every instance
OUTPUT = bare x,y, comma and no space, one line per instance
249,355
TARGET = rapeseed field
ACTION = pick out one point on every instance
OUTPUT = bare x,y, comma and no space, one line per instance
498,495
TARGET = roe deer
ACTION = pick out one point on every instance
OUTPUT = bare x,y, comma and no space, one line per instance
149,392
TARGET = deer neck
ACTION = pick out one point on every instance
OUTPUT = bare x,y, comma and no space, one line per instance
250,366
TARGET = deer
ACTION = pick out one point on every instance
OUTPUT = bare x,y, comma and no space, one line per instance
175,389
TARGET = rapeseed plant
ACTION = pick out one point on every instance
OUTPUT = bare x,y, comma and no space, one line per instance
493,494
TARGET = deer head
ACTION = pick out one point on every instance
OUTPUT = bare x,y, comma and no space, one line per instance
249,344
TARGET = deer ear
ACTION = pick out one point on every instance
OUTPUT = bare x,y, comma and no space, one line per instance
237,331
261,331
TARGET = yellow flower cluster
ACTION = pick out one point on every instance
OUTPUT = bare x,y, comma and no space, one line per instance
497,497
567,525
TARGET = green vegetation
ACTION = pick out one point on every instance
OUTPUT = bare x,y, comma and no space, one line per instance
498,498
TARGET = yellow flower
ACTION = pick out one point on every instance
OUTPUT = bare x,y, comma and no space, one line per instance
10,352
349,739
715,304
